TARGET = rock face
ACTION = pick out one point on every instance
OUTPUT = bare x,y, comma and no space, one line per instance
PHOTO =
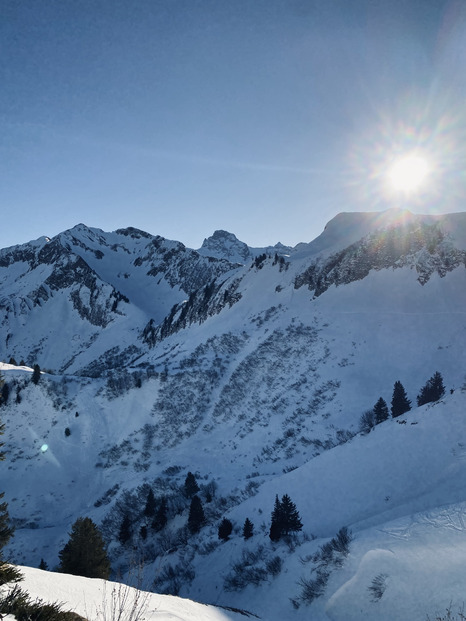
227,246
427,248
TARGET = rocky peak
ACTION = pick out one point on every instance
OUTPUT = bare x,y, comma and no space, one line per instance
225,245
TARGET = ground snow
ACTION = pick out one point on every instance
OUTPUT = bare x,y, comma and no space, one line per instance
93,598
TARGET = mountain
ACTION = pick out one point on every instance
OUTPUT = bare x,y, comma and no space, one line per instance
225,245
253,375
102,289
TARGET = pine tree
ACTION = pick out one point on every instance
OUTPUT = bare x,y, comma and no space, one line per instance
285,518
35,374
43,565
291,522
85,553
190,485
276,524
432,391
126,531
196,515
248,529
380,411
149,509
400,402
5,393
225,529
160,518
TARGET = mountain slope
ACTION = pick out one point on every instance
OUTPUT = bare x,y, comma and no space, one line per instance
255,380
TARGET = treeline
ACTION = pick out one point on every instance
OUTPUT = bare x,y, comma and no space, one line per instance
432,391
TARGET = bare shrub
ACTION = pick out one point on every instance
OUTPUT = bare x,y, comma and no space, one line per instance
171,578
450,615
123,603
377,587
312,588
274,566
330,554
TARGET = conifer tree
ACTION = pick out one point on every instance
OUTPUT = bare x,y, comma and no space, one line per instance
285,518
196,515
149,509
276,524
190,485
126,531
400,402
35,374
380,411
248,529
85,553
225,529
5,393
432,391
160,518
291,522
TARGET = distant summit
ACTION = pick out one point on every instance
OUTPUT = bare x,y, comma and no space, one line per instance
225,245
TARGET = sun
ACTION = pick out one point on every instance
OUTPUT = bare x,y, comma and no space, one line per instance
408,174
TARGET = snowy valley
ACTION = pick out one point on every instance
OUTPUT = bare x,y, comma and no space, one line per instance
250,368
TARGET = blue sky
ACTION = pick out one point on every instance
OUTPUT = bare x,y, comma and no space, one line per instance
262,117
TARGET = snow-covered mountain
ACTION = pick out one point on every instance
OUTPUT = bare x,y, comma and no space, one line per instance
225,245
250,370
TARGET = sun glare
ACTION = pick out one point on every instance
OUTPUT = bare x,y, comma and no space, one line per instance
409,173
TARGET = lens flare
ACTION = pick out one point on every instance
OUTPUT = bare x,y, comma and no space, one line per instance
44,448
409,173
413,157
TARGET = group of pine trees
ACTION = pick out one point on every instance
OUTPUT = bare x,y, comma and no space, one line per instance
225,529
285,520
433,390
85,553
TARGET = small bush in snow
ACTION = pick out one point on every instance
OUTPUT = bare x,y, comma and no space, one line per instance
274,566
171,579
367,421
377,587
18,603
225,529
312,588
330,553
450,616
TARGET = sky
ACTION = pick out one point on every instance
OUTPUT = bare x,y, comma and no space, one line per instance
265,118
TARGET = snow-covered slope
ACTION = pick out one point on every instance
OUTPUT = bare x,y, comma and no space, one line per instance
255,380
97,600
